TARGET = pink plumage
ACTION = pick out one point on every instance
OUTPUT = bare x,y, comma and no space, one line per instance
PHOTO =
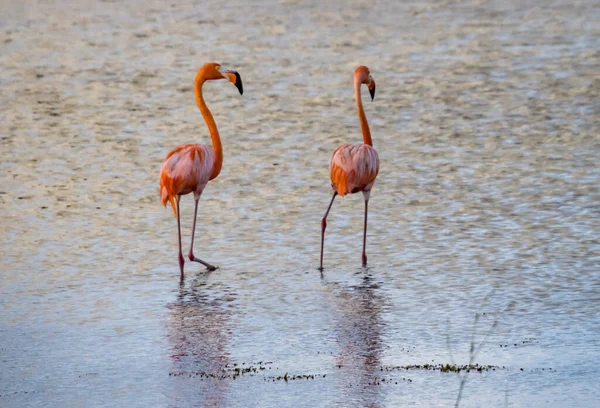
353,168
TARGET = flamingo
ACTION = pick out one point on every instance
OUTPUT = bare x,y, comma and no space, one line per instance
354,167
189,167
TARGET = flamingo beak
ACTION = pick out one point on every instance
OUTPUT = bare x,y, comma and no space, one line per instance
372,89
235,78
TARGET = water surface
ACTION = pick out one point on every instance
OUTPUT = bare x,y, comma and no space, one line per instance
486,120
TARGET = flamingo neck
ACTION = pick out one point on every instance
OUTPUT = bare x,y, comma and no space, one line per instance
210,122
364,125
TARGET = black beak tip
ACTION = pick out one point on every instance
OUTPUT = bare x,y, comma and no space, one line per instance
238,83
372,92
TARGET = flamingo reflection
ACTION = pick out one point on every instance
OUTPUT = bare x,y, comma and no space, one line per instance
199,334
358,328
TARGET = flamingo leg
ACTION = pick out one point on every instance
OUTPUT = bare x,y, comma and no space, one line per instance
191,254
323,226
181,261
364,253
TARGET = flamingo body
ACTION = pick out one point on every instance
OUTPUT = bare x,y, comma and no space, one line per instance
187,169
353,168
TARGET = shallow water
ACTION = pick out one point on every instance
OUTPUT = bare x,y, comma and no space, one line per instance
486,120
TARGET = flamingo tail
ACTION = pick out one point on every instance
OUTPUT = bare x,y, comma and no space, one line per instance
166,196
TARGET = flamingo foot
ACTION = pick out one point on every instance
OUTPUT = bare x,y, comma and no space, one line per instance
209,267
364,259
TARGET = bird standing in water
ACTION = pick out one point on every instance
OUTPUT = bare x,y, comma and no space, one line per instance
188,168
354,167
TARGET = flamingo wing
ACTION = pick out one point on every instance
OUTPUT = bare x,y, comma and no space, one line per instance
353,168
186,169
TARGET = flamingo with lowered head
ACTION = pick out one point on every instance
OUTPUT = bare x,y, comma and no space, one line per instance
189,167
354,167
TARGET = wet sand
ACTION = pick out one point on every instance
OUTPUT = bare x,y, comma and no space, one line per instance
486,120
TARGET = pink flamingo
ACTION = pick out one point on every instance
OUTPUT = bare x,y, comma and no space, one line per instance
354,167
188,168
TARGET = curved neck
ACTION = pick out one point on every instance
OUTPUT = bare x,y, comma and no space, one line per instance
364,125
210,122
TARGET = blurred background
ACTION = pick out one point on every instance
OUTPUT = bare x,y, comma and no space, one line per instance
486,120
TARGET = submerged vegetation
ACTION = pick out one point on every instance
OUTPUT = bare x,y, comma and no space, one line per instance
234,371
450,368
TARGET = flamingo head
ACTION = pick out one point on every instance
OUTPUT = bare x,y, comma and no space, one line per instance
213,71
363,76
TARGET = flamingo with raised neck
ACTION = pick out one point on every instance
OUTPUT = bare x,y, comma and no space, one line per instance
354,167
189,167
